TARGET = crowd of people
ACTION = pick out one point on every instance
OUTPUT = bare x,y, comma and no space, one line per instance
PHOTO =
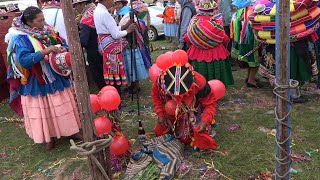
206,30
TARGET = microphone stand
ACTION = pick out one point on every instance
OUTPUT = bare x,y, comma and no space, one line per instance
133,45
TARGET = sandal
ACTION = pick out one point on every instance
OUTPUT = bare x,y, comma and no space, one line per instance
256,79
257,85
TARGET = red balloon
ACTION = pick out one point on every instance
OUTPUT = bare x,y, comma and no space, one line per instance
218,88
108,88
170,107
120,145
154,72
95,106
164,61
103,125
109,100
180,57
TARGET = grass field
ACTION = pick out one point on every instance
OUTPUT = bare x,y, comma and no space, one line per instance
242,154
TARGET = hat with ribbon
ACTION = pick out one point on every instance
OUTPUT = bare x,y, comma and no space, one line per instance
60,63
78,1
207,5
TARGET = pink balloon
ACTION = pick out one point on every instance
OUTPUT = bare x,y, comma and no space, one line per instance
154,72
218,88
180,57
95,106
109,100
170,107
164,61
103,125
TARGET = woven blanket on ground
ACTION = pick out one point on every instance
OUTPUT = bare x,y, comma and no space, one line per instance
165,150
304,21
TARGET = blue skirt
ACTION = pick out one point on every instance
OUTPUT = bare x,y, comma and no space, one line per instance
170,29
140,72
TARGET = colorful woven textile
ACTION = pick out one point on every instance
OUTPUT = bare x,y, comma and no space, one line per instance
165,150
113,67
304,20
87,17
206,32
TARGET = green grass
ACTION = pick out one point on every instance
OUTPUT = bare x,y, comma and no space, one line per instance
249,151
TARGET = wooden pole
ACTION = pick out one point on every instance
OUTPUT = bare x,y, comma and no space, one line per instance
81,85
282,79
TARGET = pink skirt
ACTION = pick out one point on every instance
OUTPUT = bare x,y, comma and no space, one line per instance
54,115
208,55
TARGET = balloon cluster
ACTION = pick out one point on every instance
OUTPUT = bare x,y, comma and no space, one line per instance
108,99
167,60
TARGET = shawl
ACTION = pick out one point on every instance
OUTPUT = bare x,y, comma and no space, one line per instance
87,15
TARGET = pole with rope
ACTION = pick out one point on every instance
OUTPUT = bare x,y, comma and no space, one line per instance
282,86
99,165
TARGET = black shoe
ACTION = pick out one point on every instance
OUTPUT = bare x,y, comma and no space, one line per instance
256,79
258,85
300,99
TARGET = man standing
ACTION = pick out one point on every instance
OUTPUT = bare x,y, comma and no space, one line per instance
226,11
188,10
88,39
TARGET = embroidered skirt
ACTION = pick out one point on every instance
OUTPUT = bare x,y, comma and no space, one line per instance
54,115
302,66
139,70
170,29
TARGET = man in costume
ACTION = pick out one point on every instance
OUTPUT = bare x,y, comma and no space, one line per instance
185,106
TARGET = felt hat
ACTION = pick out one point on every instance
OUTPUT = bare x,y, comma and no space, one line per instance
60,63
125,1
207,5
78,1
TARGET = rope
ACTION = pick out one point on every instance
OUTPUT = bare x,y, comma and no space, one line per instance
293,84
90,148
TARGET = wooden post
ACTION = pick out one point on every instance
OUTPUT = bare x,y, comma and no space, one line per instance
81,85
283,75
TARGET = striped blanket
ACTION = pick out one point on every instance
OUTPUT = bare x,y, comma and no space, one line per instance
165,150
304,20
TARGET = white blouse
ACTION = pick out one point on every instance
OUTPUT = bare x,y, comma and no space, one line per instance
54,17
105,24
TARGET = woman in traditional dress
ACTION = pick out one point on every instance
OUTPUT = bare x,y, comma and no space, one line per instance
111,43
47,100
207,39
245,46
170,24
138,68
